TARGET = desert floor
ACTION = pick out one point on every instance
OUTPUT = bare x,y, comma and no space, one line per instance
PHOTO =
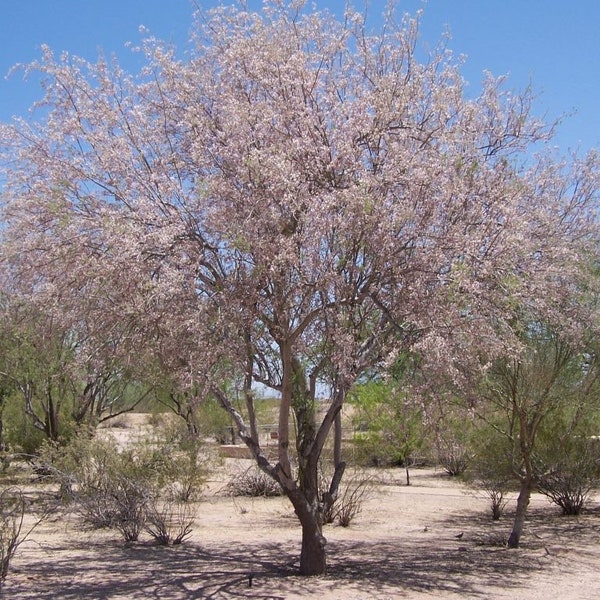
402,545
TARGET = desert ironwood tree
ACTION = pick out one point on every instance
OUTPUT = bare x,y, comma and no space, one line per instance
292,203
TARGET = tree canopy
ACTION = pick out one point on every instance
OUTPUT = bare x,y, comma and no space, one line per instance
292,203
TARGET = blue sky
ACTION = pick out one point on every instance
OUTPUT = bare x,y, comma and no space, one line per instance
554,44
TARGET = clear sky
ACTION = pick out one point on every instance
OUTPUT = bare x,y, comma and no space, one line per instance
554,44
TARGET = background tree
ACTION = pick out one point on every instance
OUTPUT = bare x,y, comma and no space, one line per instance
294,202
55,378
390,428
541,397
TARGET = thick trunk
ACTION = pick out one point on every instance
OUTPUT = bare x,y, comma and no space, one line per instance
522,504
313,556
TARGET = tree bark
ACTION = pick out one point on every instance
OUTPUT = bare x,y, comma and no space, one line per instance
522,504
313,555
337,440
2,444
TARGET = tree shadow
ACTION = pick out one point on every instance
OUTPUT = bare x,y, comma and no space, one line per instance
236,569
103,570
544,527
459,554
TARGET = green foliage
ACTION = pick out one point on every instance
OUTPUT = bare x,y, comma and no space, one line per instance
389,429
122,488
452,434
540,421
189,459
267,409
200,413
20,434
491,466
568,458
213,421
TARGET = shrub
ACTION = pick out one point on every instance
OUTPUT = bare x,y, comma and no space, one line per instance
495,489
110,487
569,463
253,482
118,488
189,461
569,481
171,523
491,466
127,501
12,515
348,504
567,489
453,457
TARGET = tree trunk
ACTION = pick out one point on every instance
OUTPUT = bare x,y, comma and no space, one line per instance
313,556
2,444
337,440
51,415
522,504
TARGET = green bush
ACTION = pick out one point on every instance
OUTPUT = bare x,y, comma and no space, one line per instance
571,473
119,487
491,466
20,434
388,428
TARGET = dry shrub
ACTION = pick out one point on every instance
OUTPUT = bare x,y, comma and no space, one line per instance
498,501
350,499
117,488
454,458
12,516
571,474
254,483
495,489
171,523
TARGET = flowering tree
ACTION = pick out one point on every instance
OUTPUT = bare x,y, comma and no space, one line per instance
290,205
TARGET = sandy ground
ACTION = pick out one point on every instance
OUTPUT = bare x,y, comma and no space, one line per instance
402,545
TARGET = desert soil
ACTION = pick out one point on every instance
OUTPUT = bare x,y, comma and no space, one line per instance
402,545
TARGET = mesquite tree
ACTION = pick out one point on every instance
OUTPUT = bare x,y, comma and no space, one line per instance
290,205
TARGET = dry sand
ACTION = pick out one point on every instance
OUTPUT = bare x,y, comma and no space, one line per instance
402,545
